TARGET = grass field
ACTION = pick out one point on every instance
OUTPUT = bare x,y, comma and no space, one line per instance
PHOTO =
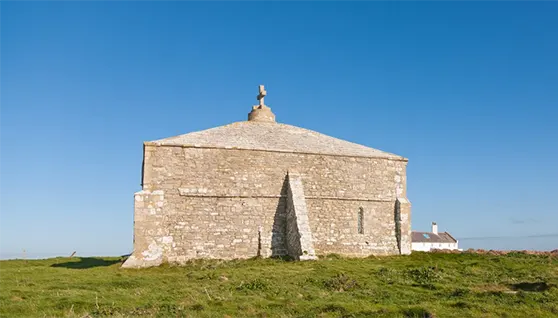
420,285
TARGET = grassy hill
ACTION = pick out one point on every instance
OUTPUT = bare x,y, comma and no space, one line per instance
420,285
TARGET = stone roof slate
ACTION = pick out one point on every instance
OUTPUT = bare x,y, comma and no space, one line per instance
429,237
270,136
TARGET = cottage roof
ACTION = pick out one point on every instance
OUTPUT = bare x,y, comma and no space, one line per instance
271,136
429,237
261,132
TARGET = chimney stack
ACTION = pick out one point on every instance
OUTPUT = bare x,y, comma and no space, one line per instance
434,228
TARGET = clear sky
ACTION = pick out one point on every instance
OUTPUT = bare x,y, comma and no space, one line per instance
467,91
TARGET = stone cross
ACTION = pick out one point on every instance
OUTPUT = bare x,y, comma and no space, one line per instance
261,96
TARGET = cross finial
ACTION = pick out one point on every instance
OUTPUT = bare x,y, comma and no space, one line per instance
261,95
261,112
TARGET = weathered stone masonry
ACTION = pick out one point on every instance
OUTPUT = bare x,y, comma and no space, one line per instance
249,190
299,240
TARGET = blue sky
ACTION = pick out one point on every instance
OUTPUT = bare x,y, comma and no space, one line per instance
467,91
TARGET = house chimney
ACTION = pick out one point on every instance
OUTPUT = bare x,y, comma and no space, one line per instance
434,228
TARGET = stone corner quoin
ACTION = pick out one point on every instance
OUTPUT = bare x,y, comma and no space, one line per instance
260,188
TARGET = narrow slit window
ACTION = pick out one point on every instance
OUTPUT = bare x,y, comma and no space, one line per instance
361,221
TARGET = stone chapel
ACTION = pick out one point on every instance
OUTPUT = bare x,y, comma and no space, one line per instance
263,188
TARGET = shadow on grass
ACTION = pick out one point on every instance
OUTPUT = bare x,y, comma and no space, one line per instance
87,262
417,312
532,287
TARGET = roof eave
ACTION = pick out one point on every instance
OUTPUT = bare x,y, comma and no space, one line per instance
453,238
389,156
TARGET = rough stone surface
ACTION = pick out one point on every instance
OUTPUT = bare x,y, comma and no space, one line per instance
150,236
228,203
262,114
225,193
261,135
403,225
298,234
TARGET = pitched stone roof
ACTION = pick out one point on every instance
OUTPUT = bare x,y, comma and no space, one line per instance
271,136
429,237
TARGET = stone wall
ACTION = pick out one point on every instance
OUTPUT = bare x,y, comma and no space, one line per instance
231,172
334,225
229,203
151,239
227,228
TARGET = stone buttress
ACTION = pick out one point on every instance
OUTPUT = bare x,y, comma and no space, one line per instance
300,245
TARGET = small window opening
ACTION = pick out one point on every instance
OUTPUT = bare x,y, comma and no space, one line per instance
361,221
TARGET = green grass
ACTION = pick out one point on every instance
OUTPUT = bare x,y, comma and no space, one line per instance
420,285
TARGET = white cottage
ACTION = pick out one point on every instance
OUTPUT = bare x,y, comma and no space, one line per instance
426,241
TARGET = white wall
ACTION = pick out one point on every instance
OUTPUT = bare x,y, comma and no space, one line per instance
425,247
